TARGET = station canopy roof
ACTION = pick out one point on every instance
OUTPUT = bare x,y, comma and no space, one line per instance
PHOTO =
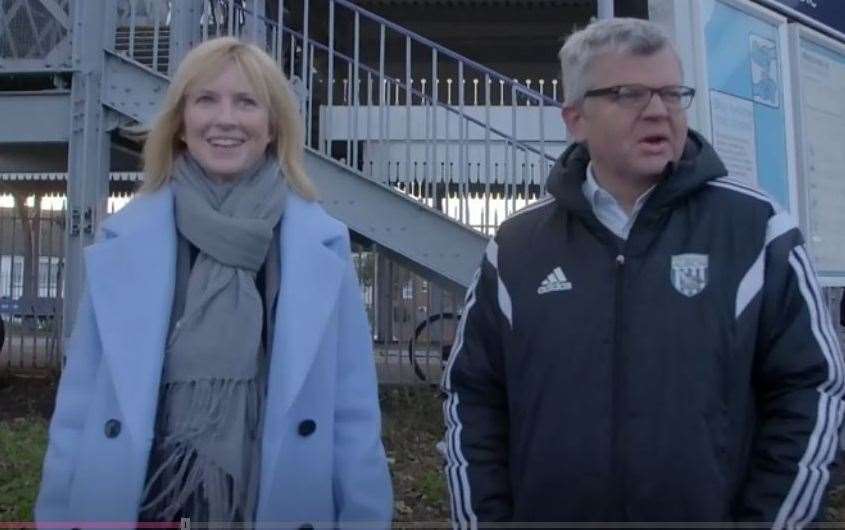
525,3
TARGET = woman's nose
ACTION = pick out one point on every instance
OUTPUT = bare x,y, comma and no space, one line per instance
225,113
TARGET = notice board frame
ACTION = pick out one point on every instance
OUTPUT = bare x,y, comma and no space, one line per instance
797,34
703,108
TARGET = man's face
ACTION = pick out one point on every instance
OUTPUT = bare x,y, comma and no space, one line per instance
625,142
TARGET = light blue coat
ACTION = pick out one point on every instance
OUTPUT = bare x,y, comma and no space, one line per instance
321,370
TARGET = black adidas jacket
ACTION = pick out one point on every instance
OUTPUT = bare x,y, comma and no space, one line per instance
689,374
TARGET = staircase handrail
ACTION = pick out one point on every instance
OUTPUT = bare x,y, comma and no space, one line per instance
450,108
449,53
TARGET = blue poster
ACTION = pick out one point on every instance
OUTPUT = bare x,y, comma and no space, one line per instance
748,118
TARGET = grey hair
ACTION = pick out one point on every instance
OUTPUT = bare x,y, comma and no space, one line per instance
629,36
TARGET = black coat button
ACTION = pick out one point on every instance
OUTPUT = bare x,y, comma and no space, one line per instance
307,427
112,428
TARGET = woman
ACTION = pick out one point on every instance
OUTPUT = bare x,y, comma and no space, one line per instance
221,365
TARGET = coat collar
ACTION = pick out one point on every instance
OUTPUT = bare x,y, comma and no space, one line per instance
311,271
130,275
131,278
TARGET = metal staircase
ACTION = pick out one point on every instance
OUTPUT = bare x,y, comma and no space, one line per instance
416,148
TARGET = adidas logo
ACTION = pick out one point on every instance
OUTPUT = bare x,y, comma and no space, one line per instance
555,281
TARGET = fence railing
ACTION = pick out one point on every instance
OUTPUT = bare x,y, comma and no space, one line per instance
32,258
472,143
31,262
412,319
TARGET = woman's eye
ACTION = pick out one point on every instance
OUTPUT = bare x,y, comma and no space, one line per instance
248,102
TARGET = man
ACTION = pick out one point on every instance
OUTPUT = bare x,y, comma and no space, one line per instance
647,343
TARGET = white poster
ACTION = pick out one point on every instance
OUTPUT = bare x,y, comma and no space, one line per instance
734,135
822,77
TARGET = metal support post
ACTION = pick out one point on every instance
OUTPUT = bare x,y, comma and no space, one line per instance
185,30
383,282
255,25
88,149
605,9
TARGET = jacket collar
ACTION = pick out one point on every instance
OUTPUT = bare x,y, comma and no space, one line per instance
699,164
131,278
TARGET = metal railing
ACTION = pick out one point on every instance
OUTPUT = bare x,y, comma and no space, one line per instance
413,320
31,261
372,93
32,258
143,32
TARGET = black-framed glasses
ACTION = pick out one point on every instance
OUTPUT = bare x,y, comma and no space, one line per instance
675,97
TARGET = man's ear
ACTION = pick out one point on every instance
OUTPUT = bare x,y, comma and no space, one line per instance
573,117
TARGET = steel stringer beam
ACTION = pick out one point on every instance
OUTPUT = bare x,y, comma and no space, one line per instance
427,241
132,89
88,145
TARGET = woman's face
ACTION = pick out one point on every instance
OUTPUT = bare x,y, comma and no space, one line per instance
226,127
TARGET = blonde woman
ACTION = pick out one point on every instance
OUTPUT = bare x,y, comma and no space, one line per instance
221,366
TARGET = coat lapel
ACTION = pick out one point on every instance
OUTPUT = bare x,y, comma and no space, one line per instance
311,273
131,280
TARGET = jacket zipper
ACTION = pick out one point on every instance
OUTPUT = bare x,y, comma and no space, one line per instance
618,467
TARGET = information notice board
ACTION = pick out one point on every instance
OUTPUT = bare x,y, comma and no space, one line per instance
818,65
745,91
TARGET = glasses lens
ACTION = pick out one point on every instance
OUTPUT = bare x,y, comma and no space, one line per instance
686,99
676,97
672,97
633,96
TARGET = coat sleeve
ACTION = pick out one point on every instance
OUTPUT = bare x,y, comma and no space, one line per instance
799,380
475,408
362,485
83,352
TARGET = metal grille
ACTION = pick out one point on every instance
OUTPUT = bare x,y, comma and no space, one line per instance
34,29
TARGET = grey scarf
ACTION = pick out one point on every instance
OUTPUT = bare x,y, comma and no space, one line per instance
211,402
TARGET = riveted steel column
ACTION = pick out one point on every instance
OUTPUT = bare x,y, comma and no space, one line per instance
185,30
604,9
255,25
88,149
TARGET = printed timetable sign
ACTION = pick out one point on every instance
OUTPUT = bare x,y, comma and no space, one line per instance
746,94
819,79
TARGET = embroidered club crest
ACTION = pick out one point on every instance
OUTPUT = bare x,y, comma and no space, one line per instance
689,273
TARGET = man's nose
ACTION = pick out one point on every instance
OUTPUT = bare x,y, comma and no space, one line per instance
656,107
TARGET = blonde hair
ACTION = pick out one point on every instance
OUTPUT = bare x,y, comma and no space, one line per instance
164,142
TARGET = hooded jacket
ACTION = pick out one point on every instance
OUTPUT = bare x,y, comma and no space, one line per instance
688,374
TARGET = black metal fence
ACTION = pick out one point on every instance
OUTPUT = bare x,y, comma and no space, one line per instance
31,262
413,320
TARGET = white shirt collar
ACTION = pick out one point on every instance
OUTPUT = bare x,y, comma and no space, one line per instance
609,210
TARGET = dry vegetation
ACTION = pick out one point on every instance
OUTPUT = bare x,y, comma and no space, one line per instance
412,427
